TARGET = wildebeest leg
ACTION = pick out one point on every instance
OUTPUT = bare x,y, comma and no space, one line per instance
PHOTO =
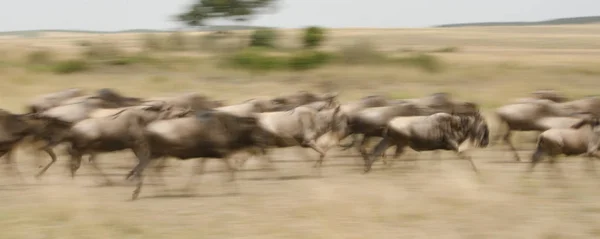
198,169
312,144
536,158
158,169
461,154
354,138
137,171
362,149
381,147
52,155
512,147
75,162
230,168
268,159
92,160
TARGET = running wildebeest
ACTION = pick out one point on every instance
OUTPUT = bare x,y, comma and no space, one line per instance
208,134
573,141
120,131
440,131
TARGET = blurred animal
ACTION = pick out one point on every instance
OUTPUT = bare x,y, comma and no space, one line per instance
251,106
573,141
372,121
302,126
192,100
538,116
208,134
440,131
15,128
50,100
120,131
302,98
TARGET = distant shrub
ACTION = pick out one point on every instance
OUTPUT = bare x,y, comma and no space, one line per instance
257,59
362,52
69,66
152,42
83,43
308,60
264,37
39,57
313,37
426,62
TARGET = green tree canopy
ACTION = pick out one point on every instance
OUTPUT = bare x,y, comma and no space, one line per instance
236,10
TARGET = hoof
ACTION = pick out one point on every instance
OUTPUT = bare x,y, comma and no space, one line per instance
134,196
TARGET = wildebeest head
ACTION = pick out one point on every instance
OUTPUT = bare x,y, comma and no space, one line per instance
477,128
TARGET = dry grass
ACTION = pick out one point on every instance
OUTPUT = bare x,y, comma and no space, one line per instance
423,199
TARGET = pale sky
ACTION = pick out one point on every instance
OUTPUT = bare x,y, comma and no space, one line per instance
112,15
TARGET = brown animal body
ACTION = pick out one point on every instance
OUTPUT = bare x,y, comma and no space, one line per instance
440,131
110,95
539,116
47,101
573,141
120,131
249,107
372,121
15,128
550,95
437,102
208,134
302,98
80,108
192,100
302,126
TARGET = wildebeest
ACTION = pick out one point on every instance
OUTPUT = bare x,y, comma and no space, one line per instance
302,126
193,100
251,106
538,116
15,128
208,134
372,121
47,101
550,95
366,102
437,102
440,131
120,131
110,95
303,97
79,108
576,140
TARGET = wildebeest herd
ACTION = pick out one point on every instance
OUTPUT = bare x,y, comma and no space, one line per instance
190,125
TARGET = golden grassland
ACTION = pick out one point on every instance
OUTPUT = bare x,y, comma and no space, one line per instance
413,199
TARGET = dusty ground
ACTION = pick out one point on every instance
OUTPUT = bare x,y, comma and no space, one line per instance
414,199
421,198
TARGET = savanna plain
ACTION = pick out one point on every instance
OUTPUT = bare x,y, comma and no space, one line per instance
416,197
